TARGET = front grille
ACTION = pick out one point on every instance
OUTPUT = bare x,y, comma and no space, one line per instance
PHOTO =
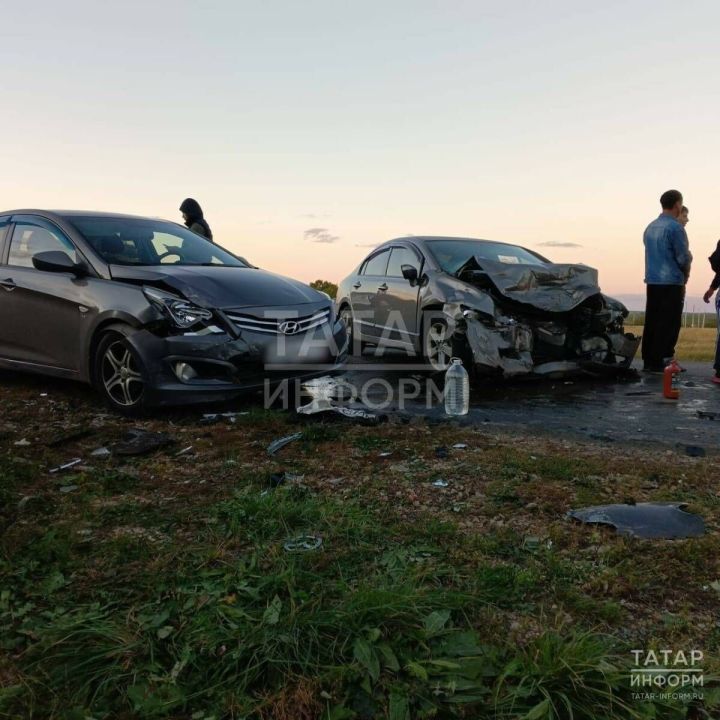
272,326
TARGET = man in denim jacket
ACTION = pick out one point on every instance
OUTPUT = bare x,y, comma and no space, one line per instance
667,268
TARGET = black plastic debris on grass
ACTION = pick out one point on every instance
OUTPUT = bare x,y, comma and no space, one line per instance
651,520
141,442
694,451
705,415
280,443
442,453
69,435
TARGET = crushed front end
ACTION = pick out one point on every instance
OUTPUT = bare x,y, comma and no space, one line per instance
548,321
193,354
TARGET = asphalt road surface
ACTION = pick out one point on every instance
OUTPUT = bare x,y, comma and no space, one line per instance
629,409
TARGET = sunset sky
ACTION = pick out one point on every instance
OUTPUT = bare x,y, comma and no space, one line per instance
350,123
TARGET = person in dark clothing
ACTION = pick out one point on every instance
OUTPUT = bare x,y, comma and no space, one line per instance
193,216
714,285
667,268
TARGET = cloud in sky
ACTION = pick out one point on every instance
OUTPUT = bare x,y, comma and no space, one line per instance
367,245
558,244
320,235
313,216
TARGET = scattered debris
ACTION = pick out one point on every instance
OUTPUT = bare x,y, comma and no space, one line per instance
644,520
324,405
216,417
69,435
694,451
66,466
385,454
280,443
100,452
440,483
68,488
460,446
184,451
704,415
637,393
277,479
141,442
442,453
22,443
302,543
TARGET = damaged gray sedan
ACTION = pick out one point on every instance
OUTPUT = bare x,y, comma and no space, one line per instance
504,309
150,313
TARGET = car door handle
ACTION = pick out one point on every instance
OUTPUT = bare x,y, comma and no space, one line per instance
382,287
357,285
8,284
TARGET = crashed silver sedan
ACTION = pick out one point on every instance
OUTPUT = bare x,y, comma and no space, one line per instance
503,309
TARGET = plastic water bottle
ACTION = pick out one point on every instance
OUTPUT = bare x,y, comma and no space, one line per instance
457,388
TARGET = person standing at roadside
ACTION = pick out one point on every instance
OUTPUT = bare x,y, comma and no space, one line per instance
714,285
667,267
193,216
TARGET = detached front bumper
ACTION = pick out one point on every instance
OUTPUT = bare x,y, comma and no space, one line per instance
195,368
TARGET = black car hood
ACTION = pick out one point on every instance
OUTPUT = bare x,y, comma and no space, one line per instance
221,287
551,287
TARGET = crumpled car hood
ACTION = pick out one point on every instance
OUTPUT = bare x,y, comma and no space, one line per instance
221,287
551,287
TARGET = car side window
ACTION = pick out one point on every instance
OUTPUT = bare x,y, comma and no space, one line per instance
29,239
377,264
4,223
401,256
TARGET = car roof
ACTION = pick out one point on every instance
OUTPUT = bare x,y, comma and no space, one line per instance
448,237
78,213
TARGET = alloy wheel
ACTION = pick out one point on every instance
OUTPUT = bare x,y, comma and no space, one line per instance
437,346
120,375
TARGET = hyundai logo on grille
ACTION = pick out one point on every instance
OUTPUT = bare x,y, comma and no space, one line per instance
290,327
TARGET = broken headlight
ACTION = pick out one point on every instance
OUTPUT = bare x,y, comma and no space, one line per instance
180,312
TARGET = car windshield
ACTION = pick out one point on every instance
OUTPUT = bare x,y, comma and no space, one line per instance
451,255
140,241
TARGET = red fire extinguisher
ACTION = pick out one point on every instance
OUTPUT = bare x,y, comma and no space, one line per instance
671,376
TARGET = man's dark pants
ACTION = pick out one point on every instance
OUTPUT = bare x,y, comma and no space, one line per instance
663,316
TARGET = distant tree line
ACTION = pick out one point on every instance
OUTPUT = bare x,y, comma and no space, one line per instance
325,286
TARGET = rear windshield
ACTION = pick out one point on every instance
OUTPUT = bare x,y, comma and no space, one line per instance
451,255
130,241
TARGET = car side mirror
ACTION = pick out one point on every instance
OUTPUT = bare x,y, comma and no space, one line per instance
59,262
409,273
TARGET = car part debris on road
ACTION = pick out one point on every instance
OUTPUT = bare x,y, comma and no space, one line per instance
141,442
651,520
66,466
323,391
280,443
302,543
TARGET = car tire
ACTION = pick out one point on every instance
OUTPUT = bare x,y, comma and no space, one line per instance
346,315
437,345
119,374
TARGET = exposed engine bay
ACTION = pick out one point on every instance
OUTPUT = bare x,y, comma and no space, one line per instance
539,319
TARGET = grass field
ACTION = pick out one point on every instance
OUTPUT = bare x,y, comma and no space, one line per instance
694,343
160,586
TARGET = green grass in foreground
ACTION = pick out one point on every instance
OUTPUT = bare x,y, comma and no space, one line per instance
160,588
